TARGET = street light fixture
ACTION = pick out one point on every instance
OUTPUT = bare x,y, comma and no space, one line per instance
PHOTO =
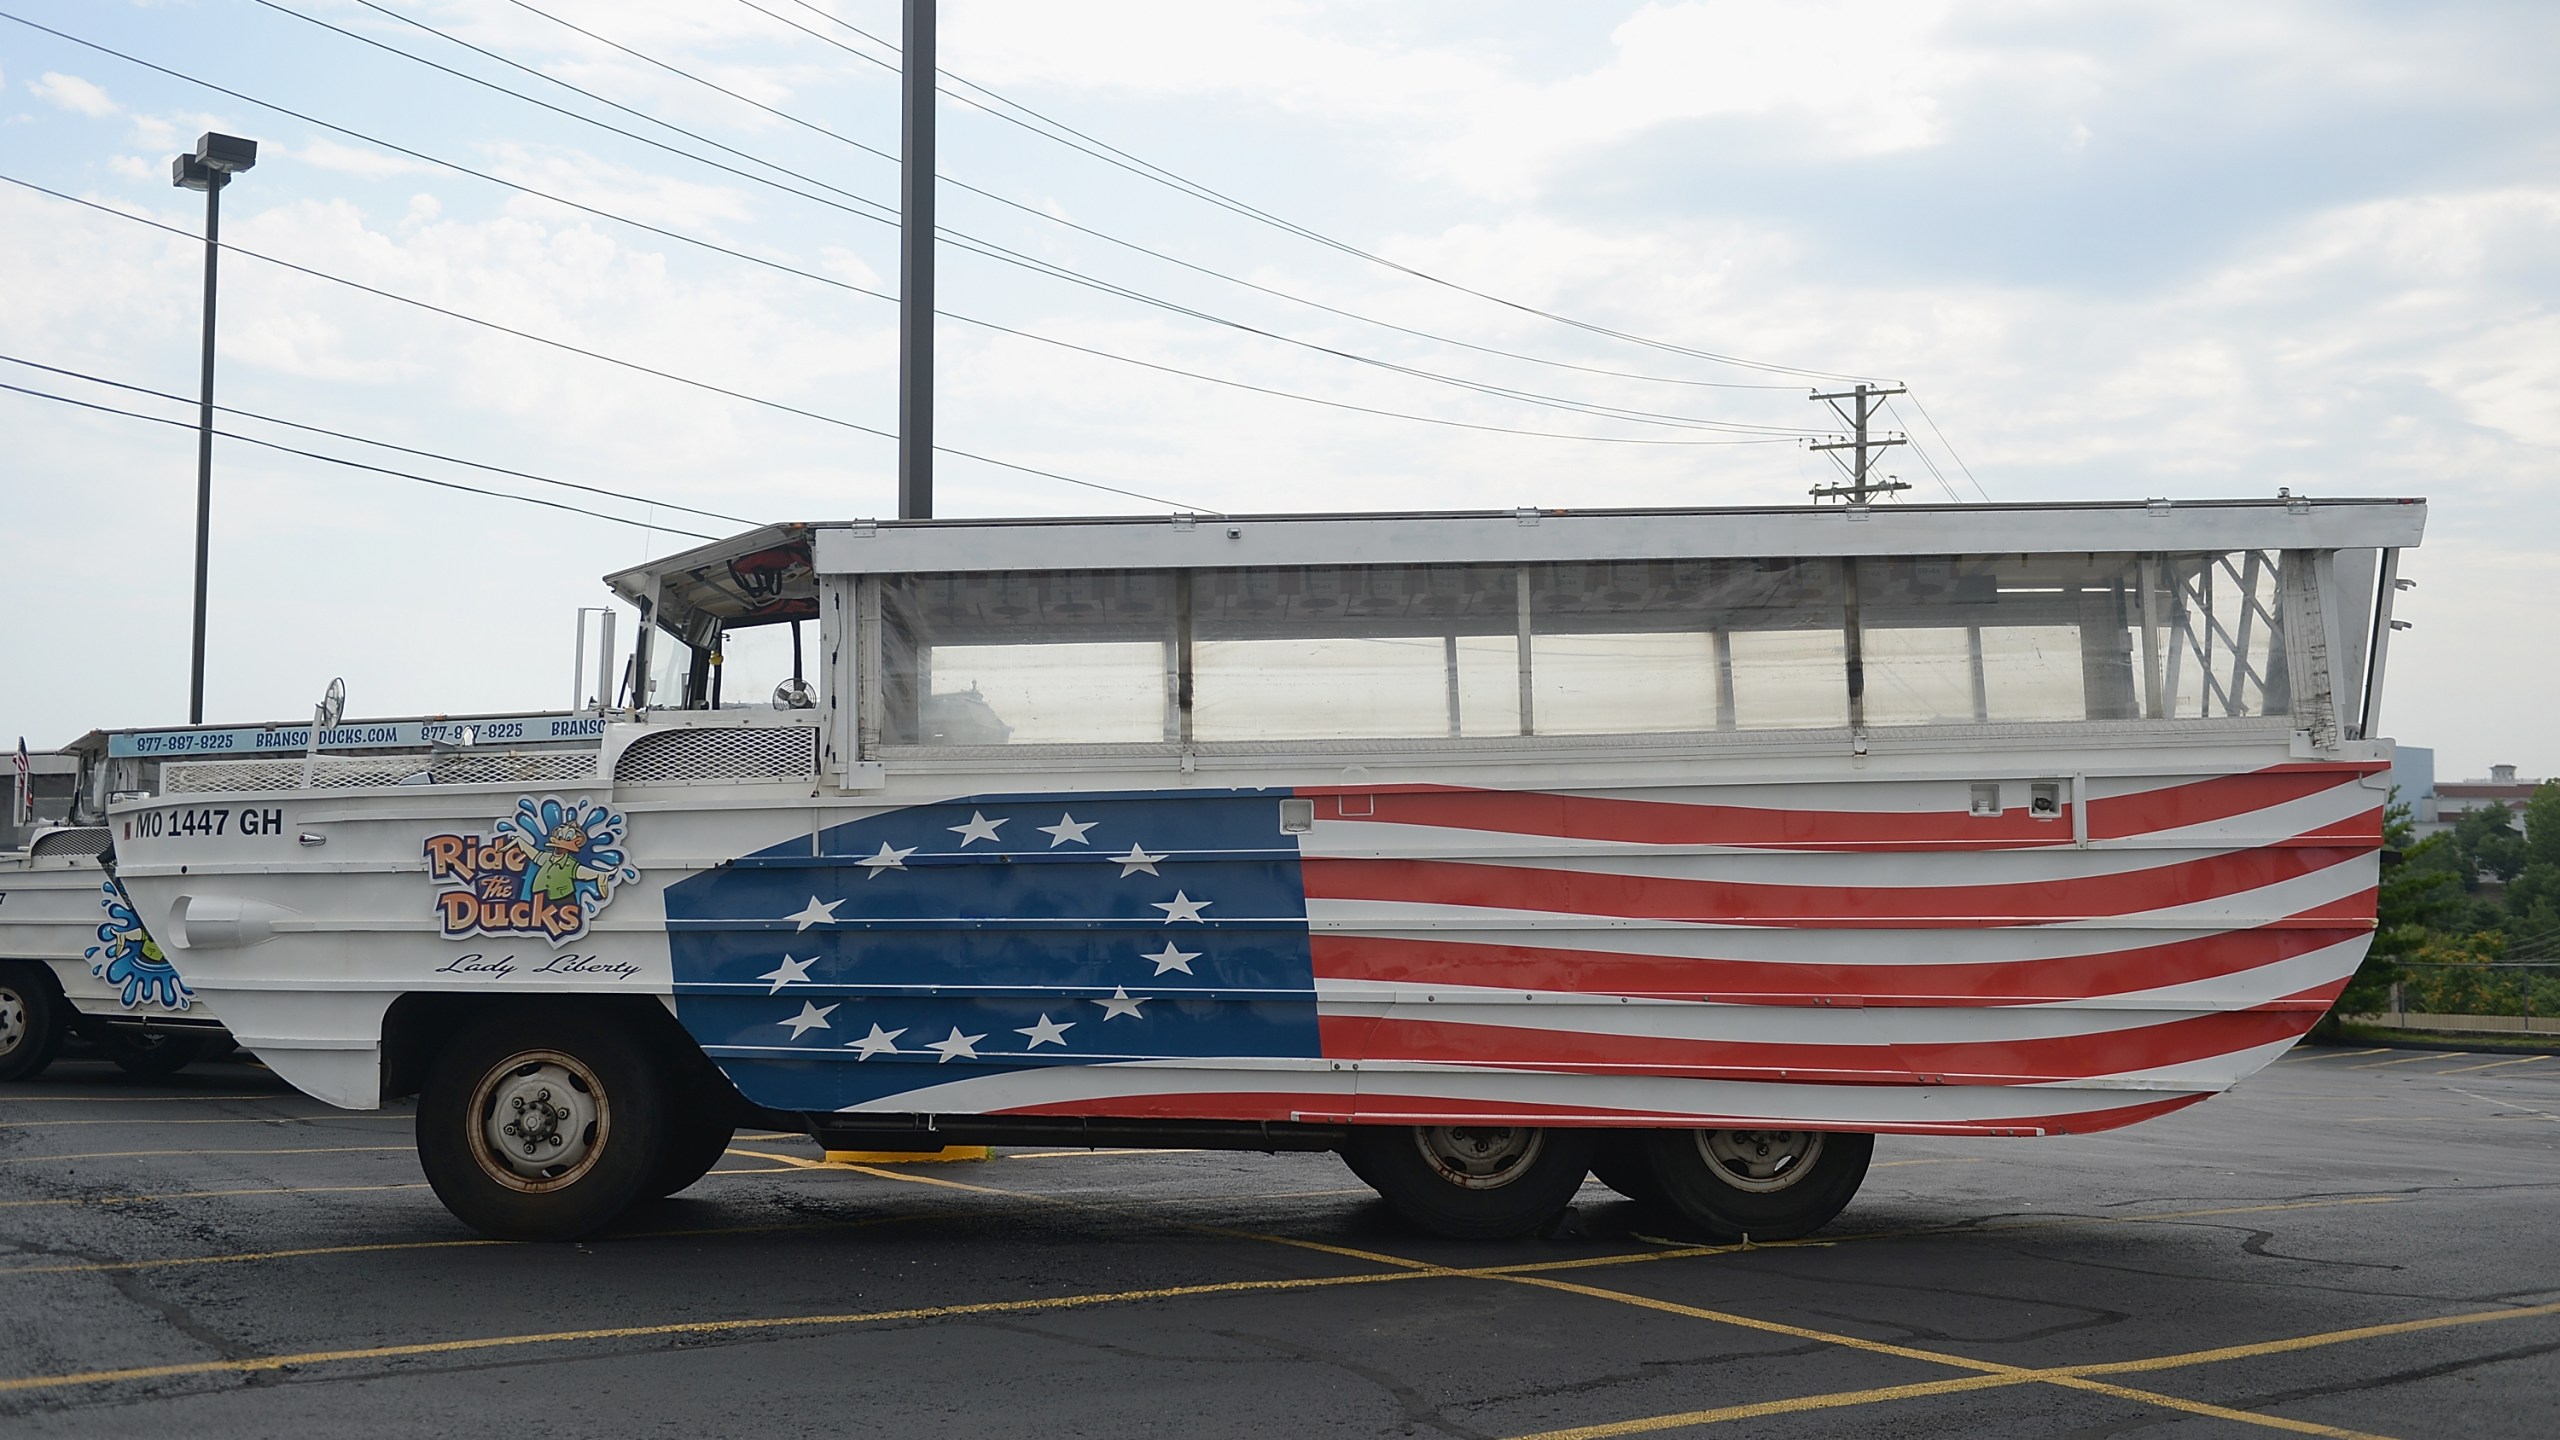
216,159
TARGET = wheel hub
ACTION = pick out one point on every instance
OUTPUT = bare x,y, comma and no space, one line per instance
1761,1160
13,1021
1479,1157
542,1121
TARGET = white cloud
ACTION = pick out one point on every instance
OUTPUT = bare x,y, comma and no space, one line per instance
2369,313
74,94
360,161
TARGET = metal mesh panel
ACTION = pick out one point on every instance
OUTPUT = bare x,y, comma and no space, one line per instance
70,842
359,772
763,753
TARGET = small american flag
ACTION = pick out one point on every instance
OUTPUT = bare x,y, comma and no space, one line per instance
24,769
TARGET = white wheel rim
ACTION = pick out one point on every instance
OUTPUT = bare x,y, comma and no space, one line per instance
1760,1161
538,1121
1475,1157
13,1021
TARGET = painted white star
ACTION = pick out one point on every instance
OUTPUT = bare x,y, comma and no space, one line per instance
1183,907
811,1017
1121,1004
887,859
878,1042
789,972
979,828
1136,861
1068,828
1047,1032
1171,959
814,913
955,1046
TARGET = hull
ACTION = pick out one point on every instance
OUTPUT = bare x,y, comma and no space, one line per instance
67,913
1632,937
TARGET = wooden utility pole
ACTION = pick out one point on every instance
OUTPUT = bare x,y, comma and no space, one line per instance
1862,443
915,269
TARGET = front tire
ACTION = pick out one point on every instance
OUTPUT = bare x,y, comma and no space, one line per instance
543,1125
1758,1184
30,1022
701,1123
1472,1182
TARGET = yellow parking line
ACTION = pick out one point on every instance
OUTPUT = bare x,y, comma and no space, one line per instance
1535,1274
88,1267
747,1325
1942,1160
2339,1054
2494,1065
2413,1059
209,1194
339,1115
2073,1376
42,1099
134,1154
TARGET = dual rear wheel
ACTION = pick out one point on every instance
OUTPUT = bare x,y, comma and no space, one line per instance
1471,1182
547,1126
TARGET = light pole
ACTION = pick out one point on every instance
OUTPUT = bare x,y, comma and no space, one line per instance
215,160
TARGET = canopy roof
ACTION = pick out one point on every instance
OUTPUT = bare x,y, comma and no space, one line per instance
769,575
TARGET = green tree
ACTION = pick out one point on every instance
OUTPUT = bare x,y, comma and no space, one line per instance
2421,891
2488,840
2542,825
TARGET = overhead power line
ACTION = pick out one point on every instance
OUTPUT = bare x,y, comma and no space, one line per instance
1060,133
358,464
1033,211
1950,446
882,214
599,355
1923,452
846,285
634,498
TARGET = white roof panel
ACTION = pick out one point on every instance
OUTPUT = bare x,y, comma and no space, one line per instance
1496,537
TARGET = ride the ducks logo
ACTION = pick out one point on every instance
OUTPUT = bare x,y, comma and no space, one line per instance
547,870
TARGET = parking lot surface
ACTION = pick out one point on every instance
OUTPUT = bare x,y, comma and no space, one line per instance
2356,1242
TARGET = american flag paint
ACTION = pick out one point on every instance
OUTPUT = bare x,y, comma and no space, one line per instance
1860,955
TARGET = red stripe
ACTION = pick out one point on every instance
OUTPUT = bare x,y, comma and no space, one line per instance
1662,977
1438,1110
1661,822
2025,1061
1644,897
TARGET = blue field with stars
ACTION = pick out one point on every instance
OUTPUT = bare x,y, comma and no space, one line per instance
998,933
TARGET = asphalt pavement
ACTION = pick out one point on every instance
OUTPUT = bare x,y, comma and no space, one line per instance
2356,1242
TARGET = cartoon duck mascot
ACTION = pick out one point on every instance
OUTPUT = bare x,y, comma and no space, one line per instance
554,871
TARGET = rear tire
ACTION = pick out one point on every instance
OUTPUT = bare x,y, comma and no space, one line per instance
1758,1184
543,1124
147,1054
1472,1182
30,1022
1621,1164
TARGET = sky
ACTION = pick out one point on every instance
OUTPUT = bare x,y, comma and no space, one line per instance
2115,250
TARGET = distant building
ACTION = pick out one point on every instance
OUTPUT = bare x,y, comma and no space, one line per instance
2413,783
2454,799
